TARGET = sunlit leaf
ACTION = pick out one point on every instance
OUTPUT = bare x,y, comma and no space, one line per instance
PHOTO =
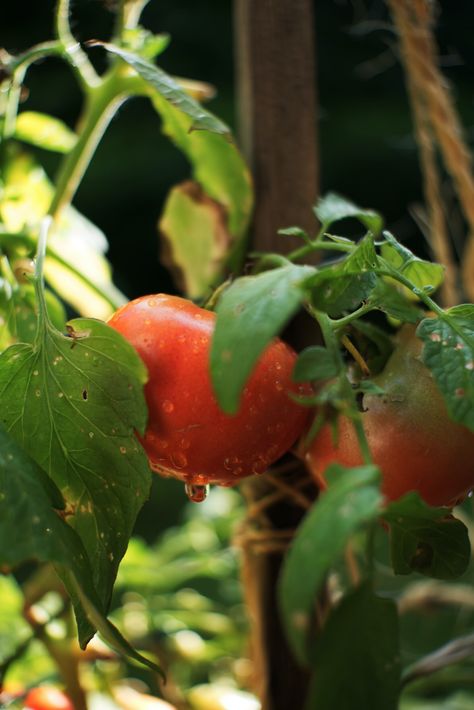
44,131
75,265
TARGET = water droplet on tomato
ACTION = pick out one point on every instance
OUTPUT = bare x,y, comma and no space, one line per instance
179,460
259,466
196,494
278,386
167,406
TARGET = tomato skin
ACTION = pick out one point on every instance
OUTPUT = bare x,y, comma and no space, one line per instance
47,697
409,432
188,436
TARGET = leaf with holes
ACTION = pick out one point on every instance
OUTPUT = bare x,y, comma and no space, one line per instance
74,404
426,540
449,353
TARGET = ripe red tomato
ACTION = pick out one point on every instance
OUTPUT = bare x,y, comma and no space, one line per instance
410,435
47,697
188,435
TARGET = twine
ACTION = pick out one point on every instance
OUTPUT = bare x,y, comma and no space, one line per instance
436,120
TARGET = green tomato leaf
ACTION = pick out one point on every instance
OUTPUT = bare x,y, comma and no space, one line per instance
363,672
74,404
249,314
332,208
20,314
30,526
342,287
169,89
425,275
32,529
449,353
426,540
388,298
351,501
44,131
315,363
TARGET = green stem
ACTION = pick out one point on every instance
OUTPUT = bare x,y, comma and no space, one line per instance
328,330
18,67
111,295
44,321
128,16
102,103
419,292
318,245
72,50
339,323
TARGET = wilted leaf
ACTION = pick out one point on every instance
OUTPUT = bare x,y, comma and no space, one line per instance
197,240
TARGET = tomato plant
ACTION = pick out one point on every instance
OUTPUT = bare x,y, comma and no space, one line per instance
188,436
409,432
99,391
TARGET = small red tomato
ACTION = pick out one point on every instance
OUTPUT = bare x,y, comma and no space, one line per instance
188,435
47,697
411,437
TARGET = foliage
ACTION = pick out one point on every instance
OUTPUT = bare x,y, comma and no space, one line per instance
73,474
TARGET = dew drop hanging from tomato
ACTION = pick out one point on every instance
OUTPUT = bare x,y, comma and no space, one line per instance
196,493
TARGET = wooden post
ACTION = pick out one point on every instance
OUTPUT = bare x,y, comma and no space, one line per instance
276,90
275,59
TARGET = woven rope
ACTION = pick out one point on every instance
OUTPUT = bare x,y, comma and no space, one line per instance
436,119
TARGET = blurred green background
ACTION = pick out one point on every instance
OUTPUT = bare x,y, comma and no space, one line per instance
367,149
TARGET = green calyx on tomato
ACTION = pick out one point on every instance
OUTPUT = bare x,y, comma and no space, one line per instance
188,436
410,435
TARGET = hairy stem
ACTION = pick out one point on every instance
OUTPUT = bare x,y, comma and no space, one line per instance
102,103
